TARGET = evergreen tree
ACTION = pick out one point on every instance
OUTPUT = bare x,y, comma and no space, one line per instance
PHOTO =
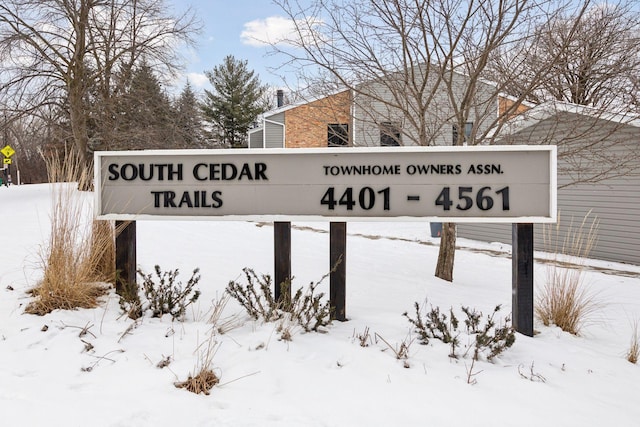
144,113
234,103
189,131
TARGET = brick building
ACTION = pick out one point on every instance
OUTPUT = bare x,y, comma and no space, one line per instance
321,122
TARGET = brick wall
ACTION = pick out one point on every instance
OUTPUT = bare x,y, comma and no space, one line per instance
306,125
505,103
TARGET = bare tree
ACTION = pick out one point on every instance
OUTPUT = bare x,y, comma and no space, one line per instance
420,62
582,70
598,64
63,52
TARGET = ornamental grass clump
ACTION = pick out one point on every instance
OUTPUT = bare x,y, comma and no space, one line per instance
564,299
78,258
633,353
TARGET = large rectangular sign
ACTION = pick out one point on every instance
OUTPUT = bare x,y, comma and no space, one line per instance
457,184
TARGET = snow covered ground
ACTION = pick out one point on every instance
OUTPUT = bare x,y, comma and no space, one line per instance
47,376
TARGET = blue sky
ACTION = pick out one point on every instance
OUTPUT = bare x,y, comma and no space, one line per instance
232,27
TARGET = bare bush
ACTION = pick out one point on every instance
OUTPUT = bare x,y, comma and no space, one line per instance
306,309
491,337
164,295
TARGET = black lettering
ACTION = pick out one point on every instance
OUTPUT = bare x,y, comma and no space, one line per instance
214,171
133,172
164,198
346,170
141,168
156,198
261,168
169,197
113,170
161,172
174,173
246,171
229,171
185,200
196,174
217,201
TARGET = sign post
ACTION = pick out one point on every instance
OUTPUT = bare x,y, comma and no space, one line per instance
522,278
7,151
508,184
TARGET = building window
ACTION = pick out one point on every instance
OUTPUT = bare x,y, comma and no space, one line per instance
390,134
468,129
338,135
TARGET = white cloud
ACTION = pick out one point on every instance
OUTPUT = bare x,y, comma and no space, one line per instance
198,79
275,30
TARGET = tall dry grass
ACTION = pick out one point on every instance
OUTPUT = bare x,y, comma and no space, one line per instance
633,353
564,300
204,377
80,254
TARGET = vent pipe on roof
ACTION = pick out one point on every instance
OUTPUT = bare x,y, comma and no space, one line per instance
280,98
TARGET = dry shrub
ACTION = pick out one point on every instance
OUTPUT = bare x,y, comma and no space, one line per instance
103,250
634,348
203,382
563,300
205,378
76,257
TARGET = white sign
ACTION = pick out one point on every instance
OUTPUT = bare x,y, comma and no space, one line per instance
458,184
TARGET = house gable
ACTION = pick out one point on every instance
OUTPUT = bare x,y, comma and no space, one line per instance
306,125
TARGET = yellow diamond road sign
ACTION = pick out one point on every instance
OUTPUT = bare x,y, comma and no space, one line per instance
8,151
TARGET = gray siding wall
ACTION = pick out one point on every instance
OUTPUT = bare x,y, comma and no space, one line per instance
274,131
376,103
614,202
255,138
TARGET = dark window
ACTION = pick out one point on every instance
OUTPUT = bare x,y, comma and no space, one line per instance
390,134
337,135
468,128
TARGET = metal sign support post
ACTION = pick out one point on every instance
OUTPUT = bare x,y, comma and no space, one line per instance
282,260
338,266
126,260
522,278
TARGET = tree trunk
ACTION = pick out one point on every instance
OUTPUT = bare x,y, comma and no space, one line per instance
444,266
77,88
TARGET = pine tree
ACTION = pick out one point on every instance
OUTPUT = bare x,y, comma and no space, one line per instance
234,103
189,131
144,113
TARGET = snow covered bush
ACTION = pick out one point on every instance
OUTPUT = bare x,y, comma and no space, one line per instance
306,308
489,338
166,296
